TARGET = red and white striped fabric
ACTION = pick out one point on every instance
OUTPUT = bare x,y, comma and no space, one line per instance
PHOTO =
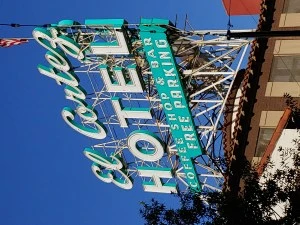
11,42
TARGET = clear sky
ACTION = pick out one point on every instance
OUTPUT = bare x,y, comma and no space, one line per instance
44,177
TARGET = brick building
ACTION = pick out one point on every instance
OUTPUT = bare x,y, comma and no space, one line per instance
260,112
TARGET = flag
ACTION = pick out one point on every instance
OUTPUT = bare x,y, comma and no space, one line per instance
11,42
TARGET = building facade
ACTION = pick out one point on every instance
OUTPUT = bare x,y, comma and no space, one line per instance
257,108
280,74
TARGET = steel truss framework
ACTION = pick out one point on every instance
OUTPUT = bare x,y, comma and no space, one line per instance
208,64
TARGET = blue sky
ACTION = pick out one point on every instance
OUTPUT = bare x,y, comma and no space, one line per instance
45,178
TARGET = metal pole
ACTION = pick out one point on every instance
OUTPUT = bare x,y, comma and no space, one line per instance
263,34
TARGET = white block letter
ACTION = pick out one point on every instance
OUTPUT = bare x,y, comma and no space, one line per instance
157,185
145,153
129,113
118,84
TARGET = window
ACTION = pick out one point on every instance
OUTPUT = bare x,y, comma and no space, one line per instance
285,68
291,6
264,138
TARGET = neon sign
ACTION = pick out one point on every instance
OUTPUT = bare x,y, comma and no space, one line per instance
152,65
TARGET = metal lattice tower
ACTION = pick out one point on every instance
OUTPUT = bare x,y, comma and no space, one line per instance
208,64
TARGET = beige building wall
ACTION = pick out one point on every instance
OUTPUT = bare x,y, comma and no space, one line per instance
290,16
287,47
289,20
278,89
270,118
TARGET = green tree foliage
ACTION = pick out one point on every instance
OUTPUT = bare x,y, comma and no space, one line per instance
254,204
